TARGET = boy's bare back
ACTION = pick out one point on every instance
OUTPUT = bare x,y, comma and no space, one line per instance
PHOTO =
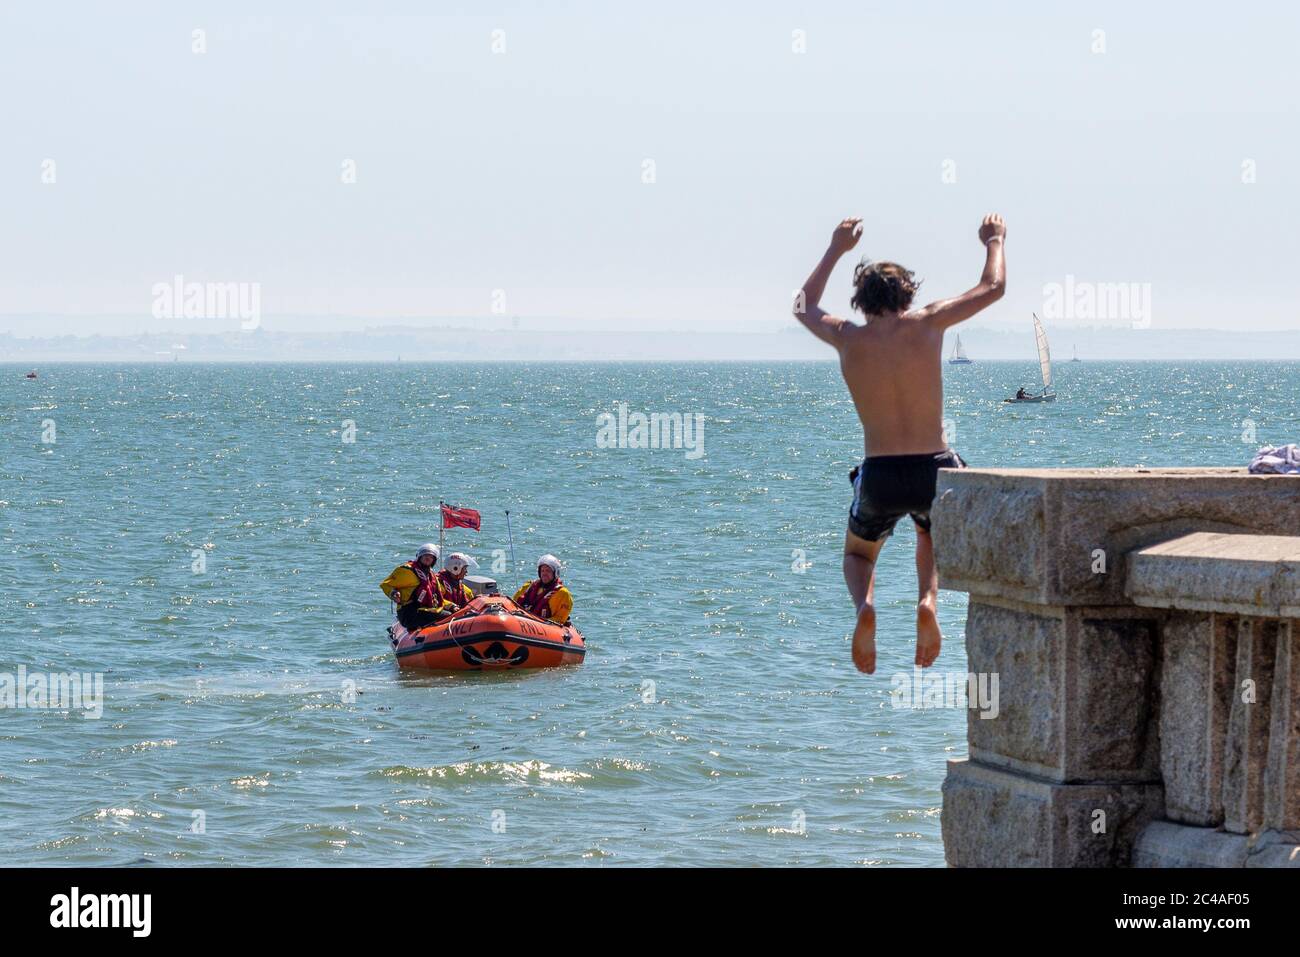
893,365
893,369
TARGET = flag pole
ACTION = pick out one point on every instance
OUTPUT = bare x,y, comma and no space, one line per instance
441,523
512,542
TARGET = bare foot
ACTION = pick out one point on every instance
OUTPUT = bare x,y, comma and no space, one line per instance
864,640
928,636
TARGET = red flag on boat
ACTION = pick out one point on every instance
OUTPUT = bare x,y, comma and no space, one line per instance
453,517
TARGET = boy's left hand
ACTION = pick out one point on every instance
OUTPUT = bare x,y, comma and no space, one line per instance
846,235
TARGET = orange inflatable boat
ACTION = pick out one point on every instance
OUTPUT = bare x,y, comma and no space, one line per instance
491,632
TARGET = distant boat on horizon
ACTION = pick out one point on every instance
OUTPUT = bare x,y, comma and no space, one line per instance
30,375
959,357
1076,355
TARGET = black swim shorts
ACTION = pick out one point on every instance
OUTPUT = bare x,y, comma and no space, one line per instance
887,487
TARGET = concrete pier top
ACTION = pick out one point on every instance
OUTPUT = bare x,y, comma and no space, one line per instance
1255,575
1056,536
1133,472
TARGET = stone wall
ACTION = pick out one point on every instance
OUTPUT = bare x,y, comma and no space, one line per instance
1143,627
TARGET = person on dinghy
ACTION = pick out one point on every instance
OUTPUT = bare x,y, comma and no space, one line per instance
452,579
417,590
1020,393
546,597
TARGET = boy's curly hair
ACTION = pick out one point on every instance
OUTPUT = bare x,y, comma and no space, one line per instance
880,287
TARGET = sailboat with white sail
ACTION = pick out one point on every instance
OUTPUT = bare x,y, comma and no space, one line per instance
958,356
1044,367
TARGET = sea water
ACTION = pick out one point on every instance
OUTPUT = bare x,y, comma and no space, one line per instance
209,540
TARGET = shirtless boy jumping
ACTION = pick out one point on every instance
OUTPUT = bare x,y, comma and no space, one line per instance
893,368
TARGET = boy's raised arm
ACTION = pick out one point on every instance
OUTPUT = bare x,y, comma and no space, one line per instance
807,304
992,284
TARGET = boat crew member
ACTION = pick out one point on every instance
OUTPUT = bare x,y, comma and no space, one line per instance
1020,393
452,579
417,590
546,597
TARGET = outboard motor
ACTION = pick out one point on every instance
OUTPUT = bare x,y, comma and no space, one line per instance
481,585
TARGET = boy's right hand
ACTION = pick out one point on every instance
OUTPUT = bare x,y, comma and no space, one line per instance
846,235
992,227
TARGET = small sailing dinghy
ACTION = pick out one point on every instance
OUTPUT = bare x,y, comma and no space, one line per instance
1044,366
959,357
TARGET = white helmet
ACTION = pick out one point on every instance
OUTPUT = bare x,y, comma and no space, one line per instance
458,562
550,561
428,549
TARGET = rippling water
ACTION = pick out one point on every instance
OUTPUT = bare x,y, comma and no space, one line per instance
718,718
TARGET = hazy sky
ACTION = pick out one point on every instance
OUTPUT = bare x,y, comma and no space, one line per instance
523,170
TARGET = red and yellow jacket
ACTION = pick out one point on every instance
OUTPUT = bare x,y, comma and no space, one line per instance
553,602
454,590
412,582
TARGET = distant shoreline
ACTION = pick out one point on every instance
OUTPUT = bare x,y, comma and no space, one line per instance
766,341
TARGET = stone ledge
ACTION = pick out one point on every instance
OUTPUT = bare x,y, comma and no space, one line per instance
1038,535
994,818
1275,849
1249,575
1165,844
